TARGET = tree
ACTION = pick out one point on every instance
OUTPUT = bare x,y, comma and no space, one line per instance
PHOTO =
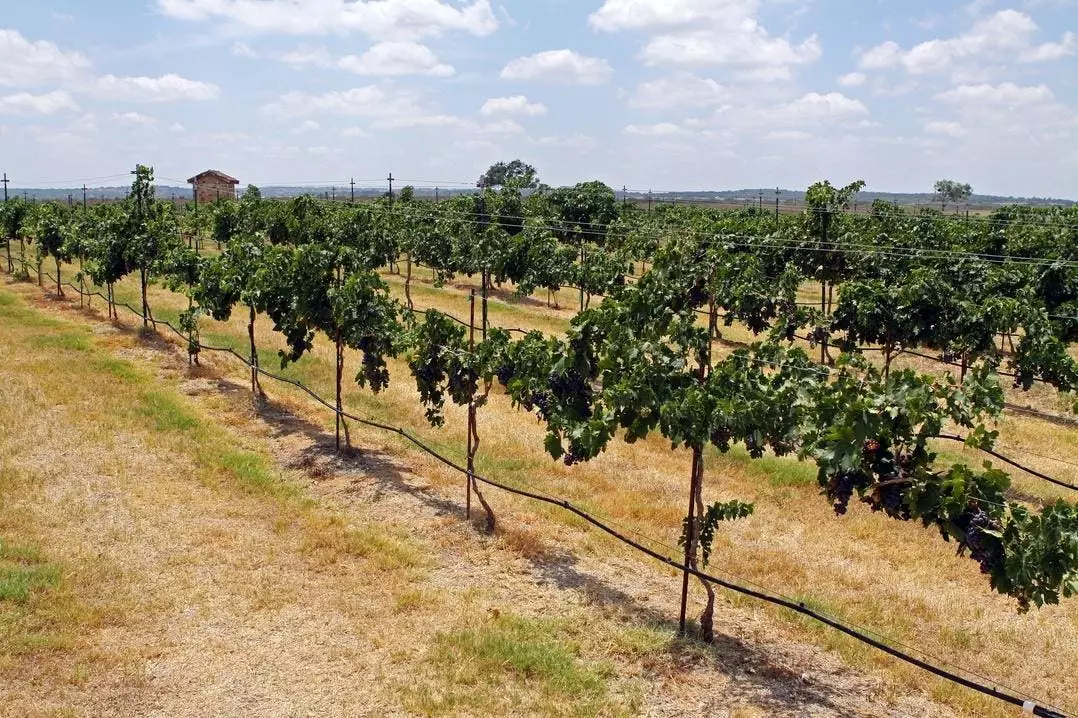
951,192
516,174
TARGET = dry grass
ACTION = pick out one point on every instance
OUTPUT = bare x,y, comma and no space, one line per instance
897,579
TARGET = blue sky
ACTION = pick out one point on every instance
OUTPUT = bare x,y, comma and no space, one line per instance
661,94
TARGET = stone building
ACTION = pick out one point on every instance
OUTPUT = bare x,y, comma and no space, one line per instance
212,185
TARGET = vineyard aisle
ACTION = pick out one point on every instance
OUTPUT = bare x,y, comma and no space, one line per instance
166,550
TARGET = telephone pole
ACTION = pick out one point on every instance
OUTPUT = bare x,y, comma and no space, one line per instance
353,183
334,189
649,201
390,178
761,200
777,193
84,196
624,195
436,197
5,180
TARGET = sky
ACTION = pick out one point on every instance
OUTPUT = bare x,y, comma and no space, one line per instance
645,94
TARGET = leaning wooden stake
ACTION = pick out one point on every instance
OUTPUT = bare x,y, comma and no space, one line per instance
471,416
473,438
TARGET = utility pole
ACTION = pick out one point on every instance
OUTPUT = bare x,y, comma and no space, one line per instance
436,197
390,178
777,193
5,180
69,199
624,195
353,183
334,189
84,197
649,201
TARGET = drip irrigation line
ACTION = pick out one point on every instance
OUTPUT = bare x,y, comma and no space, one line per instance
1011,696
1012,462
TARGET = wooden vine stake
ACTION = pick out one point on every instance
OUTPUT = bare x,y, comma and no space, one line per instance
695,513
340,376
471,416
473,436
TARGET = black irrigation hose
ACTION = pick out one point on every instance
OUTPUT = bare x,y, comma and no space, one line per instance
1028,706
1012,462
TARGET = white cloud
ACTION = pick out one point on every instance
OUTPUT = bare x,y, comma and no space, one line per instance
315,56
176,127
396,58
787,136
133,118
679,90
852,79
577,141
1006,93
950,129
1050,51
407,122
382,19
1005,35
515,105
701,33
167,88
662,129
354,132
815,107
372,100
564,67
306,126
27,63
24,103
744,47
240,49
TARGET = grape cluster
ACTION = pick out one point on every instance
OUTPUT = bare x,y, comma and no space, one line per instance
756,449
984,548
841,488
542,401
720,437
571,458
573,390
889,500
505,373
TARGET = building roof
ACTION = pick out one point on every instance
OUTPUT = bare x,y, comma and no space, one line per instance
216,174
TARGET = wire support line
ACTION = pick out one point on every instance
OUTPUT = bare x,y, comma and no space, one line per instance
990,688
749,241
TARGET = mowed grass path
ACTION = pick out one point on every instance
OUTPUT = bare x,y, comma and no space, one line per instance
156,561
